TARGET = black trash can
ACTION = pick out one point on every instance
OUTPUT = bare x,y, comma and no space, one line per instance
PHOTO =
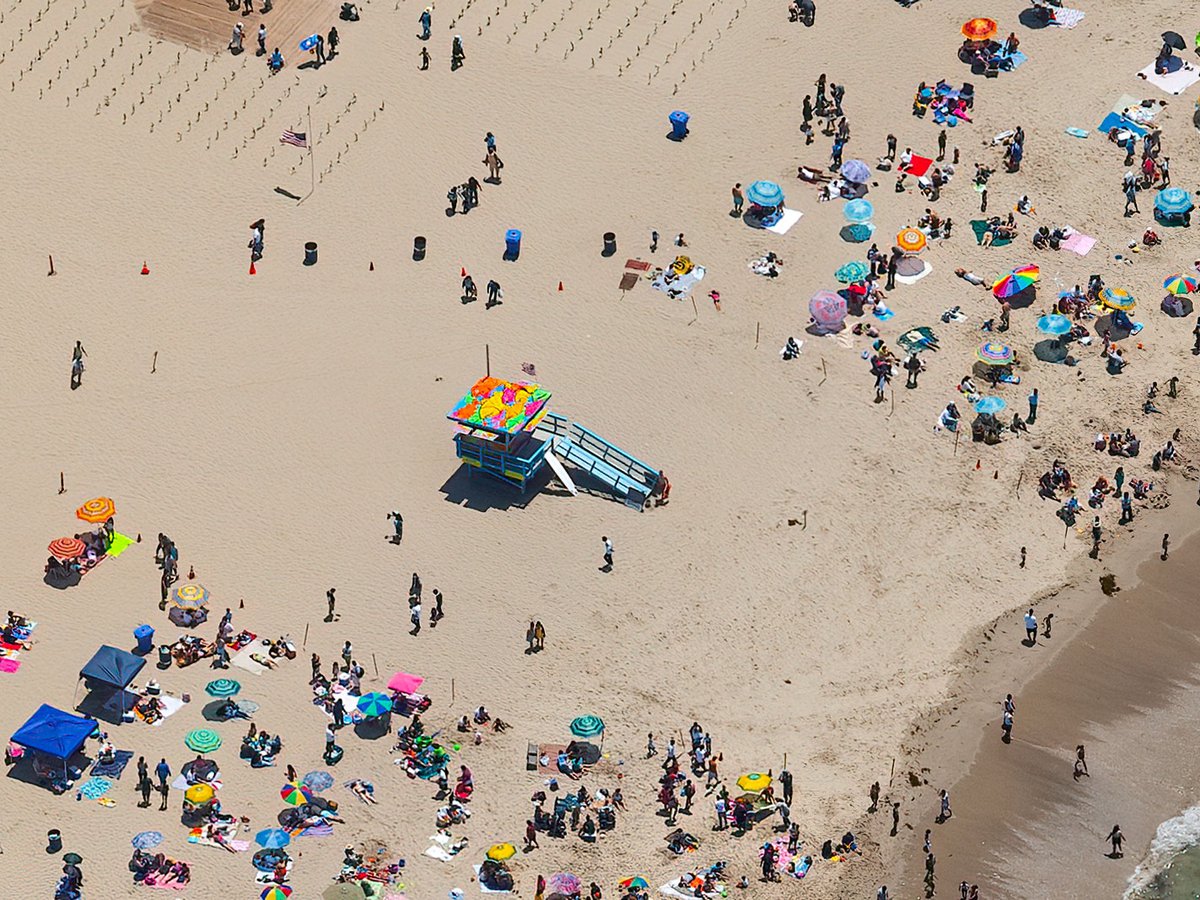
164,656
310,253
610,244
53,841
418,248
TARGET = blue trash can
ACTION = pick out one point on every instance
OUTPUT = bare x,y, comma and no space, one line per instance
144,635
512,243
679,125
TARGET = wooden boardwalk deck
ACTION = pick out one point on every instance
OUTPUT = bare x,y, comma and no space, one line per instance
207,25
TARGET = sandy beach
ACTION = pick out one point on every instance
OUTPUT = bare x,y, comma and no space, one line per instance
824,562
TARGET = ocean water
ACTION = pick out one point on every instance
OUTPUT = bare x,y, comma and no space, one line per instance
1172,869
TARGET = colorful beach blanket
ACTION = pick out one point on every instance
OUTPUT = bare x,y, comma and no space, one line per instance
113,769
918,167
1064,17
1118,121
119,544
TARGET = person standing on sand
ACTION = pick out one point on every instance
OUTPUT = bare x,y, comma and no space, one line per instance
493,294
539,636
944,811
896,817
785,780
436,615
1117,839
426,20
1006,725
332,601
1031,627
874,795
1097,533
457,53
414,616
608,554
79,353
320,51
738,199
1165,545
494,165
941,145
262,39
529,638
1081,762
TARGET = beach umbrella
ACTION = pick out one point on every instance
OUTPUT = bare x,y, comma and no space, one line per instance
753,782
765,193
374,704
1015,281
1174,39
202,740
856,171
1118,298
587,726
563,883
501,852
637,883
144,840
294,794
67,547
1179,284
72,858
911,240
1172,201
199,793
994,354
190,596
404,683
222,687
276,892
851,272
980,29
1054,324
273,838
828,310
990,405
98,509
858,211
317,781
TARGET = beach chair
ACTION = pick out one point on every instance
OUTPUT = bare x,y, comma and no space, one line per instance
967,94
531,758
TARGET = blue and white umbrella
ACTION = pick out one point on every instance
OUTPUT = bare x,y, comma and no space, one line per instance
1173,201
765,193
855,170
145,840
858,211
990,405
317,781
1054,324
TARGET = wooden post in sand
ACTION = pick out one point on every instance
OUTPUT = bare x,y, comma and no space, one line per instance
824,373
1019,478
62,485
487,355
957,435
154,363
757,326
51,272
695,311
304,646
452,690
893,775
375,663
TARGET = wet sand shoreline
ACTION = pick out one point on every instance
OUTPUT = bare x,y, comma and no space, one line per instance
1113,676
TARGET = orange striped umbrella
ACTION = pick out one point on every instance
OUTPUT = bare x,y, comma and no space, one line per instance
980,29
98,509
67,547
911,240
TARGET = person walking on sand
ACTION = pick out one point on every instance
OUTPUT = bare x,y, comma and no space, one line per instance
332,601
79,353
414,616
1031,627
262,40
941,145
1131,199
874,795
334,39
424,59
608,554
398,524
145,786
414,588
1081,762
1006,725
493,294
494,165
539,636
320,51
738,199
529,639
944,811
436,615
457,54
426,20
895,817
1166,546
1117,839
1097,533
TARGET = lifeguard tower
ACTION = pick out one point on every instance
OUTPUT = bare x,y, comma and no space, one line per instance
506,430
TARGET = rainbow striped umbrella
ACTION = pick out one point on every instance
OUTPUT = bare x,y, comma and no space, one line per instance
276,892
1015,281
1179,284
994,354
1118,298
294,794
67,547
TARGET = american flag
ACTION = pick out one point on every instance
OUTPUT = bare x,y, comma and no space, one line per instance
295,138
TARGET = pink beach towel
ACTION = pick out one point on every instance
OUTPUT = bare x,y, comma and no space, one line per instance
919,166
166,885
1079,243
9,665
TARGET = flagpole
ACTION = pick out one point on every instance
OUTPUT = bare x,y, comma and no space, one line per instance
312,163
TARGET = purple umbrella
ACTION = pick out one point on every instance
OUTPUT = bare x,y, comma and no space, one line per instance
855,170
828,310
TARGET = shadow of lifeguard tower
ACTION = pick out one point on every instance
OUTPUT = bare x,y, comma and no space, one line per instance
507,432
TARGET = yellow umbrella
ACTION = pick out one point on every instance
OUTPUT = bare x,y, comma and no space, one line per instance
754,782
501,852
199,794
911,240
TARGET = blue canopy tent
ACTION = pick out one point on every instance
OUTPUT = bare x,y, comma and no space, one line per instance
114,668
54,733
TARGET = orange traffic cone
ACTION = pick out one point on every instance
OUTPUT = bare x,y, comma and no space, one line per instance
560,287
253,271
145,269
462,273
977,466
372,269
996,475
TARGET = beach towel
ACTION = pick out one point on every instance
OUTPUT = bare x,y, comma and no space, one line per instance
669,890
170,706
324,829
113,769
548,758
95,788
242,640
1064,17
639,265
1174,82
239,846
165,885
438,853
8,664
979,226
1016,58
120,543
789,218
483,888
243,661
918,167
1118,121
1132,109
1078,242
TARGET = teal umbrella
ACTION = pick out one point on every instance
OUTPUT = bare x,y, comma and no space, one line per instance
222,687
587,726
765,193
852,271
374,704
202,740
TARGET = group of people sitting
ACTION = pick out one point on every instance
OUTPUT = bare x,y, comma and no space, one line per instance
157,870
191,648
17,631
259,747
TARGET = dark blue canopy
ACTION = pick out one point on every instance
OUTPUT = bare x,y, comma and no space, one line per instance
54,732
112,667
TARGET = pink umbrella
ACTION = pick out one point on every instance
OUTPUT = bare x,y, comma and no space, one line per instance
564,883
828,310
405,683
